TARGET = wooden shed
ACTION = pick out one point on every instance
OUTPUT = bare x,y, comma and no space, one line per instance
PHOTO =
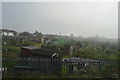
37,52
43,60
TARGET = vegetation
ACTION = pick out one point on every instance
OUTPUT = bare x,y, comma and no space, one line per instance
103,51
10,55
88,54
82,49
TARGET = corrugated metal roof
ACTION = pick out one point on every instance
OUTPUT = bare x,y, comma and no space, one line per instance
43,52
31,47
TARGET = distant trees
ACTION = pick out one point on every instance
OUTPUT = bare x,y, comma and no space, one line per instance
37,34
25,34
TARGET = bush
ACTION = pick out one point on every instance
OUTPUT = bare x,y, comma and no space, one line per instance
93,55
13,49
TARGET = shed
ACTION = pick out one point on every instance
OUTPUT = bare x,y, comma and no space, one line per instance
37,52
44,59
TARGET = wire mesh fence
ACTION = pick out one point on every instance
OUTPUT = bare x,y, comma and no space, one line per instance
56,68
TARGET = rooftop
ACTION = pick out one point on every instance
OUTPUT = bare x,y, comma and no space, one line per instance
41,51
31,47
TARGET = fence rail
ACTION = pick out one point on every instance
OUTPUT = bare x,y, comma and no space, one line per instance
43,68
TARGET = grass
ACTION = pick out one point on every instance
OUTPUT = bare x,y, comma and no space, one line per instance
12,52
10,55
14,49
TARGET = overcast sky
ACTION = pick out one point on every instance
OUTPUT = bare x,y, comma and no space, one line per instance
82,18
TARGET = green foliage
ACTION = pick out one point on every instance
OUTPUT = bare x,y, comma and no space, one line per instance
66,56
93,55
108,70
112,57
64,69
13,41
61,41
30,43
10,55
14,49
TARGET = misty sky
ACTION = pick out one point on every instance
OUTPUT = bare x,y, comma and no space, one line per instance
82,18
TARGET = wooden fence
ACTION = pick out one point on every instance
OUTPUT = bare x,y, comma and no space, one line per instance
56,68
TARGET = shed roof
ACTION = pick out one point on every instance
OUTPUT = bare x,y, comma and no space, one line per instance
40,51
43,52
31,47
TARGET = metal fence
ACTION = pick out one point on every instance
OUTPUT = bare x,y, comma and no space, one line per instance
56,68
